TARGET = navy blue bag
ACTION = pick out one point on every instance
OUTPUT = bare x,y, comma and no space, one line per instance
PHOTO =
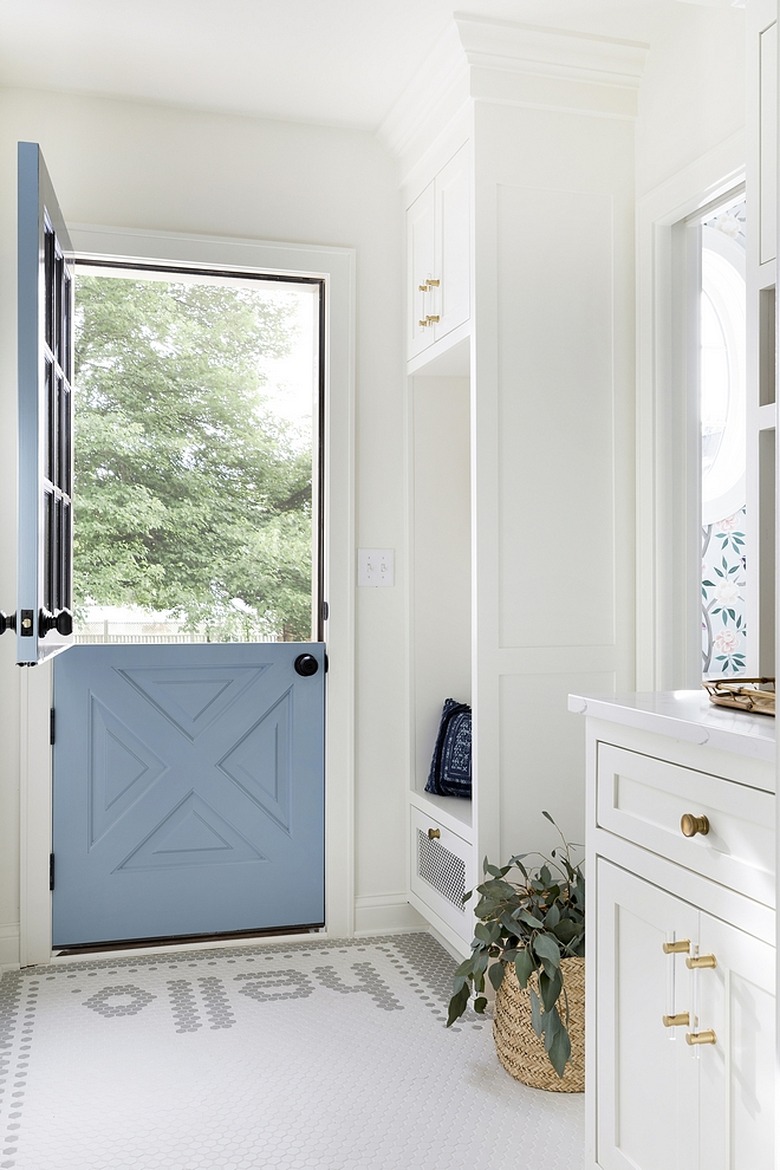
450,773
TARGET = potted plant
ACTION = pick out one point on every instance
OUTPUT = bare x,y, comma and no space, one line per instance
530,943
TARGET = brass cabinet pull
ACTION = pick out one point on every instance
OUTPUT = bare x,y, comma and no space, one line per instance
434,834
681,1020
432,319
433,283
681,947
705,1037
423,324
708,961
690,825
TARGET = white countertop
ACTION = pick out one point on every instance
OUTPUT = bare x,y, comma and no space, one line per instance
687,716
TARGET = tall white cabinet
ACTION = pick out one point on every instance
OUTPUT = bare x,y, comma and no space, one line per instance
681,951
520,429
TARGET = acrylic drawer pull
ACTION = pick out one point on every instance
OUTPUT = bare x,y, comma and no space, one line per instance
705,1037
707,961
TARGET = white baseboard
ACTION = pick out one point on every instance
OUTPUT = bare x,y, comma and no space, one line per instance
9,945
385,913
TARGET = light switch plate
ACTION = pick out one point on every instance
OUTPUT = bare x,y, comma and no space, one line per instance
376,567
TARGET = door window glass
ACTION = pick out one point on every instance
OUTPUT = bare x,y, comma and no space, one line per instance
197,425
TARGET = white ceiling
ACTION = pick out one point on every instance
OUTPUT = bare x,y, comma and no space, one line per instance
340,62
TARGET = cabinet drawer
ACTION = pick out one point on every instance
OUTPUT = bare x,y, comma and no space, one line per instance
442,872
643,800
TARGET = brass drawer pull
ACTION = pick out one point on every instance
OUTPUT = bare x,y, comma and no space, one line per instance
681,947
708,961
705,1037
681,1020
434,834
691,825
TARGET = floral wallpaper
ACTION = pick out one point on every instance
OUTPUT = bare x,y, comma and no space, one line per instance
723,597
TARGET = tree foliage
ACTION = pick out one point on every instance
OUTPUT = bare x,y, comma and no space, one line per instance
189,491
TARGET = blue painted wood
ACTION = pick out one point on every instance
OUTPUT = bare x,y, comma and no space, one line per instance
45,358
188,791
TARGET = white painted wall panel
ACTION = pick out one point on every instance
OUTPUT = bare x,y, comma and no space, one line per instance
441,594
556,433
542,751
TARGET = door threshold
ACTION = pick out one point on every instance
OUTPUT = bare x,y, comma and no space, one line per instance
176,942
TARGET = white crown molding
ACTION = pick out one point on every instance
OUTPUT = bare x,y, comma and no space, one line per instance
496,60
434,97
524,49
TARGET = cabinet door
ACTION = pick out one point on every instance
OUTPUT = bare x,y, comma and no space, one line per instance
420,265
452,193
735,999
646,1074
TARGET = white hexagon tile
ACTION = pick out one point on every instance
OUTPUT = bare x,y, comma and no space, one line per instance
310,1055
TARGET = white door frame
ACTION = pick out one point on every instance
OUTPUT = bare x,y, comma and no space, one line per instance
336,266
668,650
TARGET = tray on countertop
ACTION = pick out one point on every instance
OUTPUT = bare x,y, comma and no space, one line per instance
756,695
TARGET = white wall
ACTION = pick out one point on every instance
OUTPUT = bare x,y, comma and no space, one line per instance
152,167
692,95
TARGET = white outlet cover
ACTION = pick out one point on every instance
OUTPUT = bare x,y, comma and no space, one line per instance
376,567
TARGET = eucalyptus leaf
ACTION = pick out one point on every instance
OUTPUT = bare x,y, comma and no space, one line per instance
458,1005
550,988
524,967
536,1011
496,975
559,1051
547,948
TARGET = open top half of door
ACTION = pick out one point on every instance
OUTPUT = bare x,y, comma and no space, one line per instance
44,621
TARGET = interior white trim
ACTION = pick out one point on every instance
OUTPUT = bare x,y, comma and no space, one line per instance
337,267
667,648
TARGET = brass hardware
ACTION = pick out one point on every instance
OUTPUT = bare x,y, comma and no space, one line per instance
423,324
434,834
681,947
681,1020
433,283
422,287
691,825
431,319
701,961
705,1037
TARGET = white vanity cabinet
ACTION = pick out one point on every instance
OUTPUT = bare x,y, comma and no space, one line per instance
438,238
681,951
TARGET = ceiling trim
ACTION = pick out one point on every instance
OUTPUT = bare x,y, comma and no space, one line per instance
500,61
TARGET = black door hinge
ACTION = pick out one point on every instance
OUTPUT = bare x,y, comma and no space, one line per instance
51,726
51,871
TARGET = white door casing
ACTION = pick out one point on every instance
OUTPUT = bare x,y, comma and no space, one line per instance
336,266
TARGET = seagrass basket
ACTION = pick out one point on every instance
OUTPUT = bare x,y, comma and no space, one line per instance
520,1050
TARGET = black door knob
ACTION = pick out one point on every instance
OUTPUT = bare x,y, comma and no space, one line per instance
306,664
7,621
62,622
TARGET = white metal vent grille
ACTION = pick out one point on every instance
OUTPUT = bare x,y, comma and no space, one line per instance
441,869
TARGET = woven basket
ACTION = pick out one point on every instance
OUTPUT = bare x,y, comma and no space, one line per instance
520,1050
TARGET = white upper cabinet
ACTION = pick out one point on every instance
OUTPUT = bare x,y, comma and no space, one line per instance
438,247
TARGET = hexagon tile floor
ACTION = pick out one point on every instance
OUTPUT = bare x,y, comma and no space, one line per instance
307,1056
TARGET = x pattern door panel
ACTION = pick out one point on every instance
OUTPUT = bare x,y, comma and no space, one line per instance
188,791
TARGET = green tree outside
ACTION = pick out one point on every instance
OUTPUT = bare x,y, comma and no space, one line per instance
192,496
